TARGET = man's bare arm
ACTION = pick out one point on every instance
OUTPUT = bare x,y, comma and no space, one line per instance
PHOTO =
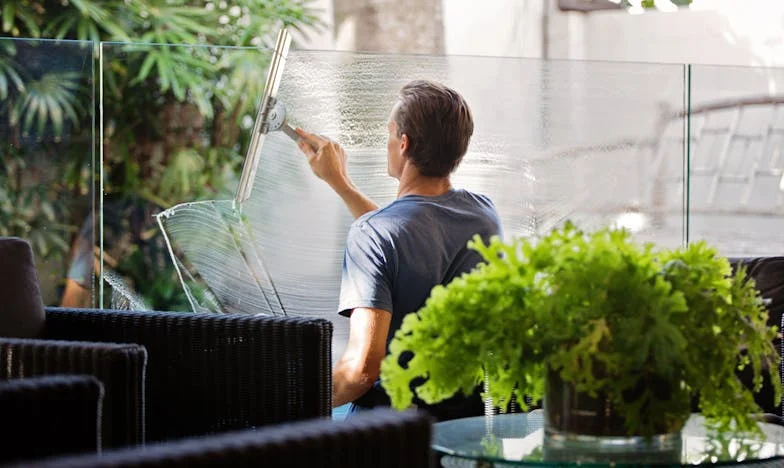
360,365
328,162
357,202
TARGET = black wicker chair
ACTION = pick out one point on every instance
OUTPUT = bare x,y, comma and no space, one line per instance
167,374
119,367
208,372
48,416
378,439
204,373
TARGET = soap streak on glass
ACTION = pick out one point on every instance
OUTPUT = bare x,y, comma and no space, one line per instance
529,117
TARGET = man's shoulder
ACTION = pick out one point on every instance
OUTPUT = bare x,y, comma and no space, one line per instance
373,223
396,210
375,217
480,198
396,215
378,223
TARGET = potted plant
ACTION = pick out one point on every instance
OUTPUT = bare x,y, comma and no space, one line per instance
597,325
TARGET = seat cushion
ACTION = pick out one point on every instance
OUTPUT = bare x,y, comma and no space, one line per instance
21,307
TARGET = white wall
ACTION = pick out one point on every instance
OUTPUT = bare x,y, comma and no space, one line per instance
727,32
508,28
712,32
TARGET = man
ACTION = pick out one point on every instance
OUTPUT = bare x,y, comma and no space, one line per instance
395,255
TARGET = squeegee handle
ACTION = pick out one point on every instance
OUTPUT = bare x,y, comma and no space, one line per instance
289,130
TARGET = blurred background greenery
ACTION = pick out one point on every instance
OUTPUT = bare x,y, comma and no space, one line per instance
176,125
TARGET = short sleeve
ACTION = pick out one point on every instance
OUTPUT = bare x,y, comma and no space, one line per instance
366,280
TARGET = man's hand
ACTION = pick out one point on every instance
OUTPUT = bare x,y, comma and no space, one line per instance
327,160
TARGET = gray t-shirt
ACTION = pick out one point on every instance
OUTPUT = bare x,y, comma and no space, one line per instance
395,255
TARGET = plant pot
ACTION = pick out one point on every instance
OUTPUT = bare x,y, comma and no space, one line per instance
579,427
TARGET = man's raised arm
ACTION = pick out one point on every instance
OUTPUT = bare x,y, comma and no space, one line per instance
328,161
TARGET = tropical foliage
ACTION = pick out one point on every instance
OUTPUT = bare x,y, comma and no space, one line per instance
176,117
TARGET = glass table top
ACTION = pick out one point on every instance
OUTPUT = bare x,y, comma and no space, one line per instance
517,439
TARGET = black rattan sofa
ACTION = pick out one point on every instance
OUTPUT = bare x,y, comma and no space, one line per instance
379,439
168,374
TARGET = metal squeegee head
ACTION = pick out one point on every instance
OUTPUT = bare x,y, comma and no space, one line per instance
261,126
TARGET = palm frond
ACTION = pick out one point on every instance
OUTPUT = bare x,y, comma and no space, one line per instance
9,75
25,14
50,99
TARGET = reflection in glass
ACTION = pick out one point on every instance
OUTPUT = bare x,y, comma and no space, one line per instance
517,439
737,159
175,122
46,149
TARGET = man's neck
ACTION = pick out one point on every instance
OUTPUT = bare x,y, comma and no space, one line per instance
413,183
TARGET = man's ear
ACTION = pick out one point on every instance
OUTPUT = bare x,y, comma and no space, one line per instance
403,143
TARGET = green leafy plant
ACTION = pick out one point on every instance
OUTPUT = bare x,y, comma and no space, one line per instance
607,315
178,93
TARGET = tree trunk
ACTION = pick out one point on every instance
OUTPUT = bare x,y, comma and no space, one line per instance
401,26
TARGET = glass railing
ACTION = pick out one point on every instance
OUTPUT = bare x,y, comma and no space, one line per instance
47,161
554,140
175,126
600,143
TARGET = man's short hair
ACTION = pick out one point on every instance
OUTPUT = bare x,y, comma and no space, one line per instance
438,123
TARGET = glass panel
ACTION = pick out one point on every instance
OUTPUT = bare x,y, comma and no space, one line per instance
736,159
175,127
553,140
47,153
588,141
